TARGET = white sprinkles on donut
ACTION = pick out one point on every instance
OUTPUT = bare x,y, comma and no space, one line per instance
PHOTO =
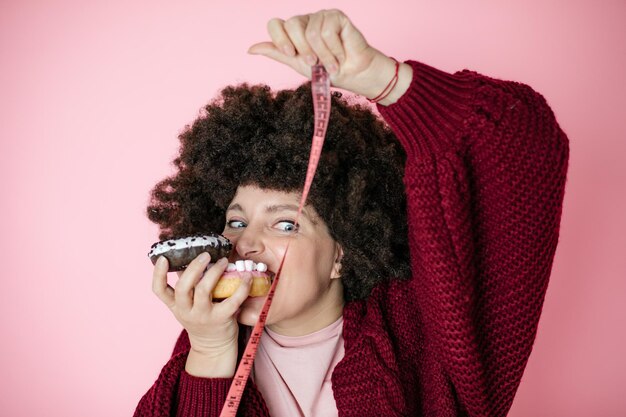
215,241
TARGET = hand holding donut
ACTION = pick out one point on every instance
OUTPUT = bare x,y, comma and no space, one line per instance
212,327
328,35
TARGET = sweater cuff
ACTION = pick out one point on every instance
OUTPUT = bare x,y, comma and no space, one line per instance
199,396
430,115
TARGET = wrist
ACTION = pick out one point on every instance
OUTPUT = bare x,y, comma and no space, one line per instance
405,76
212,364
381,73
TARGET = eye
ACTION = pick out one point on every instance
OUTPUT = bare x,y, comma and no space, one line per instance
287,226
235,224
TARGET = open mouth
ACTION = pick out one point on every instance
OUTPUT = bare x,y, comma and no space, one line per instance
231,279
248,265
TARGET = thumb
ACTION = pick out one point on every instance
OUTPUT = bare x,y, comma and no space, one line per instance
270,50
262,48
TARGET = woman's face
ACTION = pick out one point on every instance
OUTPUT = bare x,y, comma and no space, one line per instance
309,295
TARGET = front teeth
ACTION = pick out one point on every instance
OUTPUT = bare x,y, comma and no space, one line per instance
240,265
246,265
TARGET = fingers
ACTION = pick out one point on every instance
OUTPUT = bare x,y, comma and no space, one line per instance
276,29
202,293
331,30
184,288
232,303
313,35
160,286
295,29
308,38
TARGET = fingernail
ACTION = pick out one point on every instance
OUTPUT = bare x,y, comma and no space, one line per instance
222,261
204,256
311,60
332,68
161,261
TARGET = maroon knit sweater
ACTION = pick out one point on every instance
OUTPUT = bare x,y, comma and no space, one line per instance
485,177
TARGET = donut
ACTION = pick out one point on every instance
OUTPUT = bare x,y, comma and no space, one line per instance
231,279
180,252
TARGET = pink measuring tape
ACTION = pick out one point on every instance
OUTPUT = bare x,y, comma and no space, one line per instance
320,87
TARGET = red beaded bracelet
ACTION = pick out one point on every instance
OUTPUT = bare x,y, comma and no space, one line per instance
389,87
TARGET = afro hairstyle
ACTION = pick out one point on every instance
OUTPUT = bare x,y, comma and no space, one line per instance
249,135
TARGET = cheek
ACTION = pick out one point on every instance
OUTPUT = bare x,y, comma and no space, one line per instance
305,275
229,236
324,259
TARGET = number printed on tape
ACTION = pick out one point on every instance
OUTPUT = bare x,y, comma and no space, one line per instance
320,87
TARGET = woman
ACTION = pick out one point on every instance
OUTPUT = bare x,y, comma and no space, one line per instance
415,279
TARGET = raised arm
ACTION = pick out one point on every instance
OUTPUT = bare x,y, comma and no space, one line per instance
485,179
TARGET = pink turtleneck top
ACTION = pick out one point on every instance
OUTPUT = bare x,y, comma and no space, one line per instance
293,373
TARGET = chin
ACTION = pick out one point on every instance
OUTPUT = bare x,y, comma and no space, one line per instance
250,310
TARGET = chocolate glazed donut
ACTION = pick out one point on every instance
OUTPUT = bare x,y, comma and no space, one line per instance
180,252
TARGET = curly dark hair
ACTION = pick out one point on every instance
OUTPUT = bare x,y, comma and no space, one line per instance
251,136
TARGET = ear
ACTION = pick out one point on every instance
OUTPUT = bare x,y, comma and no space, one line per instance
336,272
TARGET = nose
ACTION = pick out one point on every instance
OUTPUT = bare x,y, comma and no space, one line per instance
249,243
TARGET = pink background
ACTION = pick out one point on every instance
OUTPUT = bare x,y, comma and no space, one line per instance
93,94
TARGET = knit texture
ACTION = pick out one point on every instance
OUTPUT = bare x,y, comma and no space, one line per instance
485,178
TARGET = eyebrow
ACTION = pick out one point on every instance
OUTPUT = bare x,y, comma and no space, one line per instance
275,208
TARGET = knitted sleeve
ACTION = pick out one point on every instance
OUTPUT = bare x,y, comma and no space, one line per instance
176,393
485,178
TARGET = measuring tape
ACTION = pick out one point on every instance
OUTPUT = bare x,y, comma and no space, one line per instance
320,87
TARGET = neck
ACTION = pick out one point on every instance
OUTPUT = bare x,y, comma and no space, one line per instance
311,321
